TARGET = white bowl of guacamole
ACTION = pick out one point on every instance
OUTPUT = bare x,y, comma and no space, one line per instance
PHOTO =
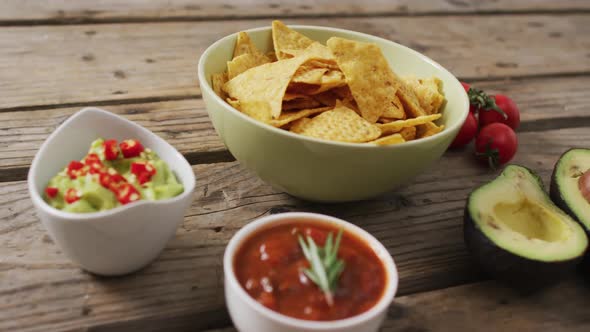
110,213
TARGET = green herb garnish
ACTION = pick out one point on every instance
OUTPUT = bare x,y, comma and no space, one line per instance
325,266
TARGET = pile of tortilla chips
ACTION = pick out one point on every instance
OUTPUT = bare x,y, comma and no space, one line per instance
344,91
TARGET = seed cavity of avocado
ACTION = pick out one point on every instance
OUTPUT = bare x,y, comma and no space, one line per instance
584,185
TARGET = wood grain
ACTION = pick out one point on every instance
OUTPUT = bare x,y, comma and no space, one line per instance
135,10
420,224
489,307
82,64
545,104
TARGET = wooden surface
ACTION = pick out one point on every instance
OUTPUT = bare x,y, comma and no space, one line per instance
138,59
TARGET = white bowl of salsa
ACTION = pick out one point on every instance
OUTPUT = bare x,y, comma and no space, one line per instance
116,236
267,288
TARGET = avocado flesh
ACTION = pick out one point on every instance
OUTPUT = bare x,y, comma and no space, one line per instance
564,185
514,212
516,234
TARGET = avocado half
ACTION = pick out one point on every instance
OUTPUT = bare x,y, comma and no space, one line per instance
516,233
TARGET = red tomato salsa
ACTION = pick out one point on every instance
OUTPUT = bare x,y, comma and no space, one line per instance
269,266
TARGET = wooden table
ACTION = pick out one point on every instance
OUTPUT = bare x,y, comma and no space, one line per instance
138,59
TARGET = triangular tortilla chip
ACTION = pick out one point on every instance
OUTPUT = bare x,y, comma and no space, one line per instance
287,117
340,124
389,140
372,82
396,126
244,45
428,91
264,84
408,133
309,74
217,82
428,129
300,103
287,40
243,62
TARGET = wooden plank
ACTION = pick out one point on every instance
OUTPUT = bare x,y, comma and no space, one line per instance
420,224
551,103
81,64
489,306
112,10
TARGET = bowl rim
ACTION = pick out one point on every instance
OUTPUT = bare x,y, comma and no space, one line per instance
267,222
39,202
207,89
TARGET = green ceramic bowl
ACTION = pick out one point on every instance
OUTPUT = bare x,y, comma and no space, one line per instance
319,170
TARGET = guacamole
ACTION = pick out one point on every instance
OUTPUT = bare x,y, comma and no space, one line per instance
111,175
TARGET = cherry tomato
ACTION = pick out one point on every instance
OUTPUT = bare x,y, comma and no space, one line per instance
467,132
111,150
584,185
509,107
71,196
51,192
496,144
466,86
131,148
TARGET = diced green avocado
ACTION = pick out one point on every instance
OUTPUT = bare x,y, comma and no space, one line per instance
516,233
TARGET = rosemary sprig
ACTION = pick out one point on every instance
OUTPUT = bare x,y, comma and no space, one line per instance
325,266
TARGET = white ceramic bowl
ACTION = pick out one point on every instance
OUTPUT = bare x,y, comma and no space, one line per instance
120,240
250,316
320,170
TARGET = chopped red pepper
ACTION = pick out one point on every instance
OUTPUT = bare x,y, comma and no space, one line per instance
131,148
51,192
111,150
93,162
71,195
126,193
75,169
143,170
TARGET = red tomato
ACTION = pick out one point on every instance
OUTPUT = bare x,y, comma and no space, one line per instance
93,161
496,144
111,151
467,132
509,107
51,192
131,148
466,86
143,170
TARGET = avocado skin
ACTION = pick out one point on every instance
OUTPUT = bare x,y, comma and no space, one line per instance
515,271
557,197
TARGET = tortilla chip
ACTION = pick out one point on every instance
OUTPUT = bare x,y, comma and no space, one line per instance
428,91
393,113
265,84
297,126
408,133
389,140
428,129
234,103
256,109
300,103
396,126
217,82
309,74
288,117
410,101
290,96
286,40
372,82
271,56
243,62
244,45
340,124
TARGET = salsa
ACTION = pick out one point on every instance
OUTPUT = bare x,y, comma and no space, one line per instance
110,175
270,266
